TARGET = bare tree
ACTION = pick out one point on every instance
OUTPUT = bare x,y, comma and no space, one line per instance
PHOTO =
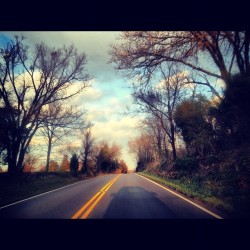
210,54
143,150
69,149
152,126
61,121
30,79
161,101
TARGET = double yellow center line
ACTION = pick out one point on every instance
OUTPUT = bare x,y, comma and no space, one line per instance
90,205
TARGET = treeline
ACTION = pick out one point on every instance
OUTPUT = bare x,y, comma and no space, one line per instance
175,78
37,83
91,158
193,89
208,133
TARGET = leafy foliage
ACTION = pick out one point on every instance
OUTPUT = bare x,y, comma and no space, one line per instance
191,117
232,115
123,166
107,159
65,164
53,166
187,164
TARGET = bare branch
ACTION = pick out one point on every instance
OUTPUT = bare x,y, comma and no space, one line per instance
47,75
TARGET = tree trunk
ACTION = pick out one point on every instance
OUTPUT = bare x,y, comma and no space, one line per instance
173,150
12,153
11,166
173,141
20,164
225,76
48,155
15,164
84,164
165,147
246,52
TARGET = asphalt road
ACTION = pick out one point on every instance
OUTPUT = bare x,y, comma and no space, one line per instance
114,196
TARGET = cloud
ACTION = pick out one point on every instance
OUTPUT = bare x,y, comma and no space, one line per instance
181,75
107,99
88,95
118,131
92,94
108,107
37,140
94,44
220,83
109,123
99,114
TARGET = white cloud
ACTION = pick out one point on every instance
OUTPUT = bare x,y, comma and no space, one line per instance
116,128
92,94
182,74
106,100
109,125
100,114
37,140
220,83
94,44
88,95
114,101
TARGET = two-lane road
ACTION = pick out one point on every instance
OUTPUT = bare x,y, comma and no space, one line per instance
118,196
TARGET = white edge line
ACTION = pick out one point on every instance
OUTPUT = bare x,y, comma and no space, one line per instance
45,193
200,207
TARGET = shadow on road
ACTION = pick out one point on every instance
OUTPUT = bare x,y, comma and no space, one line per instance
137,203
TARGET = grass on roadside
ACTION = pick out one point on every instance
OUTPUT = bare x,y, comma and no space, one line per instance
15,188
193,189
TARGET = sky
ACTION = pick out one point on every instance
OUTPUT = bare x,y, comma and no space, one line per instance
107,99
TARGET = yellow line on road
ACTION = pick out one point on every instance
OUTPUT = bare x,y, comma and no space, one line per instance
77,214
85,215
90,205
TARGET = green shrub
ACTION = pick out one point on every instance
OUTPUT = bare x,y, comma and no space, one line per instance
186,164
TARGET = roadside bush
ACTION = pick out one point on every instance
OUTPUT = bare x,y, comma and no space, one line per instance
212,159
90,173
164,165
174,175
187,164
243,159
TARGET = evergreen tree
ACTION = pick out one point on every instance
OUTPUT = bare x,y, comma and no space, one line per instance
191,117
74,164
232,115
